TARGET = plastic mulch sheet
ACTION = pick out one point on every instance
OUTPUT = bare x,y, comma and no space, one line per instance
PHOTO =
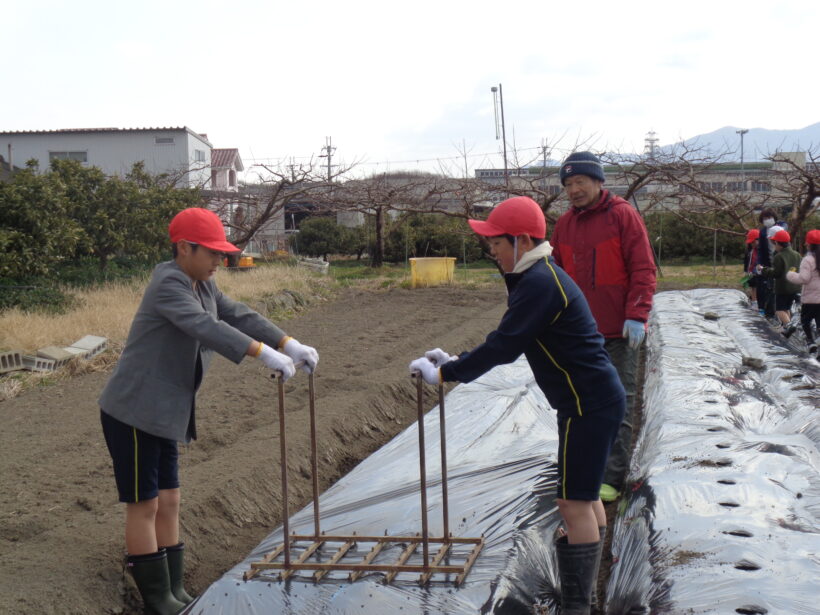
501,447
724,510
721,515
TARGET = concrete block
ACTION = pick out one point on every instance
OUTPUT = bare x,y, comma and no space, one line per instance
38,364
11,361
75,352
94,344
53,352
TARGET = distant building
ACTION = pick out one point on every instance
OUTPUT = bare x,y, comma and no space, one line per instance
225,164
179,152
761,180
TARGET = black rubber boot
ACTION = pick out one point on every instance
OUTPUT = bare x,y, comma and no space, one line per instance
176,572
602,534
150,573
576,569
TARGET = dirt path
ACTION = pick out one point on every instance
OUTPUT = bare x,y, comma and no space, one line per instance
61,545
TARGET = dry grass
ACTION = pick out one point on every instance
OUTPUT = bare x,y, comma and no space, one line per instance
108,310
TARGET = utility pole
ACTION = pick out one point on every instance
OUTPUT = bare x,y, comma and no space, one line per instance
742,132
544,156
503,130
329,149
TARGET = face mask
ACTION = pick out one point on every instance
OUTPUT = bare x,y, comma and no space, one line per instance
768,222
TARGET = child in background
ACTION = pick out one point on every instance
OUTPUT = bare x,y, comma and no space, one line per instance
809,277
785,292
750,263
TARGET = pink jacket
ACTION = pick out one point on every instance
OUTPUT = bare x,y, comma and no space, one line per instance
809,277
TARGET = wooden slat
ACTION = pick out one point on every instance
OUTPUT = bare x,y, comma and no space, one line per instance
367,559
321,569
470,561
270,556
327,567
417,538
424,578
402,558
306,554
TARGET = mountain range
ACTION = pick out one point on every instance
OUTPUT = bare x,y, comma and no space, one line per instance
757,142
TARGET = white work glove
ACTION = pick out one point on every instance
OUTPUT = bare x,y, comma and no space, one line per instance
307,355
277,361
758,269
427,370
438,357
634,331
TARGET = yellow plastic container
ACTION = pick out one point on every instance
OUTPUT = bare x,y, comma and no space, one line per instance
432,271
246,261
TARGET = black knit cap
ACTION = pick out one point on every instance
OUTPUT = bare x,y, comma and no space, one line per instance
582,163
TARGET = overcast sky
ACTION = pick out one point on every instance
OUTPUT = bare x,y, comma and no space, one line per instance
394,83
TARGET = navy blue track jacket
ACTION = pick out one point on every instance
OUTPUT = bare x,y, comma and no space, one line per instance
548,320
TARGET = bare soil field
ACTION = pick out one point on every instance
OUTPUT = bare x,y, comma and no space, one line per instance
61,527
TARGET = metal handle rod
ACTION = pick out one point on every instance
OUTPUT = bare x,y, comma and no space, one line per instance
283,462
314,462
443,431
422,471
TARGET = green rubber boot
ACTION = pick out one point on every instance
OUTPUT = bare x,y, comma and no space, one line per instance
576,569
150,573
176,572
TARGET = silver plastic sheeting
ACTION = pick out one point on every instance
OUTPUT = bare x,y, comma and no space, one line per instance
501,450
724,510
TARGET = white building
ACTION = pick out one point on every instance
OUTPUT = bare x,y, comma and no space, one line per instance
179,152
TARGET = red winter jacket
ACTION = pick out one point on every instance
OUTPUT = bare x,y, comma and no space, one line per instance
606,250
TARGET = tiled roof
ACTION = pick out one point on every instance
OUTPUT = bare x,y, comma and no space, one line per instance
226,159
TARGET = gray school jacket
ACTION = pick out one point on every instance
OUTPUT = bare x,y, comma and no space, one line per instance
174,334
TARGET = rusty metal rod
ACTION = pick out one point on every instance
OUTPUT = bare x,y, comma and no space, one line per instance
314,462
284,462
443,431
422,471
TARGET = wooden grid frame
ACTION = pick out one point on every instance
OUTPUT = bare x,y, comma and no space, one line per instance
316,541
335,561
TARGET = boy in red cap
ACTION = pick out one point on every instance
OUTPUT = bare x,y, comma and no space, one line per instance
148,404
809,277
549,321
785,292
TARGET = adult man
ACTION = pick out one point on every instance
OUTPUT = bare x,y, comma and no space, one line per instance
601,242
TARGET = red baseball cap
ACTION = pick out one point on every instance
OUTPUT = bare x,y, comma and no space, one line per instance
200,226
752,235
813,237
519,215
782,236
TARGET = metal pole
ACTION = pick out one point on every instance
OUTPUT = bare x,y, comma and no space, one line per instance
422,470
742,132
503,136
314,457
283,462
443,431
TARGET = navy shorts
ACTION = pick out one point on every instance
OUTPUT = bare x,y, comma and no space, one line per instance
143,463
783,303
584,443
